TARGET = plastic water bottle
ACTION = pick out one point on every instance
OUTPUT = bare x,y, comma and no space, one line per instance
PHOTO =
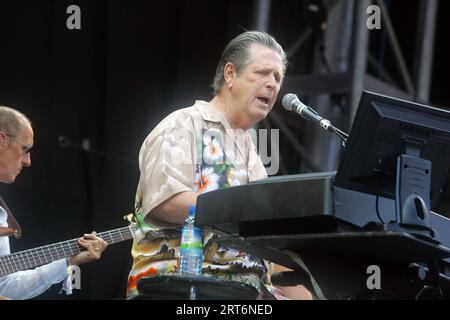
191,252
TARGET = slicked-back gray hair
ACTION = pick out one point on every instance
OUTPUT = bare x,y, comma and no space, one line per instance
237,53
11,120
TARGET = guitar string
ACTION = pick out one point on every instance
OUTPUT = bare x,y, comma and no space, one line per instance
55,250
23,260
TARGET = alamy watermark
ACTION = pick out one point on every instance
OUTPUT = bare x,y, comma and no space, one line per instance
73,21
374,20
374,280
223,147
270,161
75,277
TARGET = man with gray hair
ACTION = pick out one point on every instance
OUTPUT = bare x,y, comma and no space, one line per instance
16,141
202,148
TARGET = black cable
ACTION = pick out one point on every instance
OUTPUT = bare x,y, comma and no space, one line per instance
421,291
344,140
434,274
378,197
323,57
340,134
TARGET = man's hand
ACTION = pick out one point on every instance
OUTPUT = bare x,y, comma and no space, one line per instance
94,245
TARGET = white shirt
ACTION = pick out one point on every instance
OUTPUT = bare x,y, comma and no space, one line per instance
31,283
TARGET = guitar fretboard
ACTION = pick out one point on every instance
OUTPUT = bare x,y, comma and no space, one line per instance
32,258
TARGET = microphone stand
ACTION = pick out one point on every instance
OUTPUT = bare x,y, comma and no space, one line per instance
341,134
64,142
326,124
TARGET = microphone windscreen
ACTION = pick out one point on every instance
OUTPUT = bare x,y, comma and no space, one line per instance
287,101
63,141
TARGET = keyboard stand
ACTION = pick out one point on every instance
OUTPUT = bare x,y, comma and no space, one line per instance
342,262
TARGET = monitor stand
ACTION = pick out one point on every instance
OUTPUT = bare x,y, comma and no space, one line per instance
412,195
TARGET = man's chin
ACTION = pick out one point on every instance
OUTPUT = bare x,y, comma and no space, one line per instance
255,116
7,181
259,115
10,180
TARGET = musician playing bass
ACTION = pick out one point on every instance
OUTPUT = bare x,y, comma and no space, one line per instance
16,140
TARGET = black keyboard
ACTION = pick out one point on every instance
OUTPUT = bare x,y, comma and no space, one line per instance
278,205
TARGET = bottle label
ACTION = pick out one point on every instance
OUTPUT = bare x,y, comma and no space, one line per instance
192,239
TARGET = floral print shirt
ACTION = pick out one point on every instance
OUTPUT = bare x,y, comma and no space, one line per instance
193,149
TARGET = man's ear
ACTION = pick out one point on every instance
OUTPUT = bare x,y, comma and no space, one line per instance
3,138
229,74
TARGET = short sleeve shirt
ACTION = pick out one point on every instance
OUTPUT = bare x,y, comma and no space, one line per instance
193,149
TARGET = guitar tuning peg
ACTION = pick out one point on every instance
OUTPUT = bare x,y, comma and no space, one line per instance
129,218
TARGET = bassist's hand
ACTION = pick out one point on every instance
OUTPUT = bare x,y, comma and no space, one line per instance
94,248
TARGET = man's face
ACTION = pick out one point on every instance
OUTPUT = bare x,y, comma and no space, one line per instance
14,153
254,90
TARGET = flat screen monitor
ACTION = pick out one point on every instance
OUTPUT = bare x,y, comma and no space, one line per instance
382,128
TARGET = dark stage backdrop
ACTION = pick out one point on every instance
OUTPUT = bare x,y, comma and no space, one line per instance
131,64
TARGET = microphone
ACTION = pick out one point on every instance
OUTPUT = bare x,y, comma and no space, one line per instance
85,146
292,103
64,142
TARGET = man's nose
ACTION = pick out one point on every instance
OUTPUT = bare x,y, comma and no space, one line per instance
26,160
271,82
